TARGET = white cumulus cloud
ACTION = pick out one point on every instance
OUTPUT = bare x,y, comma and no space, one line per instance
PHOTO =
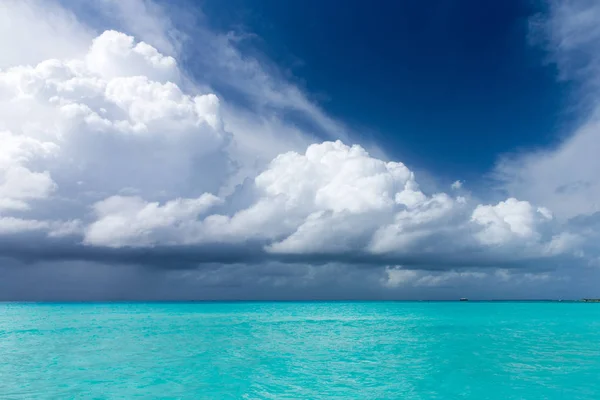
131,221
507,220
110,144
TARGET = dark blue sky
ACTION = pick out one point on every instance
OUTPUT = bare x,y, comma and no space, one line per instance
442,84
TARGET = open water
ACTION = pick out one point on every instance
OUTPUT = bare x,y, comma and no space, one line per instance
304,350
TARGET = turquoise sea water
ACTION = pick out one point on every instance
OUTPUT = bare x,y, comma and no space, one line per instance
353,350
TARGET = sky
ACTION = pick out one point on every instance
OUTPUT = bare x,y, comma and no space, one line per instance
267,150
436,74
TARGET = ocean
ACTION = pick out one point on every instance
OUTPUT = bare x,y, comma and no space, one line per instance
300,350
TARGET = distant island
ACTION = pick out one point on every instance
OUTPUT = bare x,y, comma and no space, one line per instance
591,300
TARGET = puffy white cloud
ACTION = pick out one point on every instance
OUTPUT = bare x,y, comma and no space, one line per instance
114,54
109,121
113,145
419,222
331,199
344,200
106,142
336,199
18,183
131,221
335,177
508,220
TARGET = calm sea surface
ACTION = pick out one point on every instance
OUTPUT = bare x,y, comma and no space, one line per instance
353,350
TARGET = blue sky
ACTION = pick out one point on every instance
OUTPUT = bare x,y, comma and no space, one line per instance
445,85
300,150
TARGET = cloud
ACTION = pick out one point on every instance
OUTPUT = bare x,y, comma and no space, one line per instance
32,31
112,153
571,33
130,221
114,54
53,229
117,100
456,185
507,220
335,202
18,184
398,277
564,176
144,160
